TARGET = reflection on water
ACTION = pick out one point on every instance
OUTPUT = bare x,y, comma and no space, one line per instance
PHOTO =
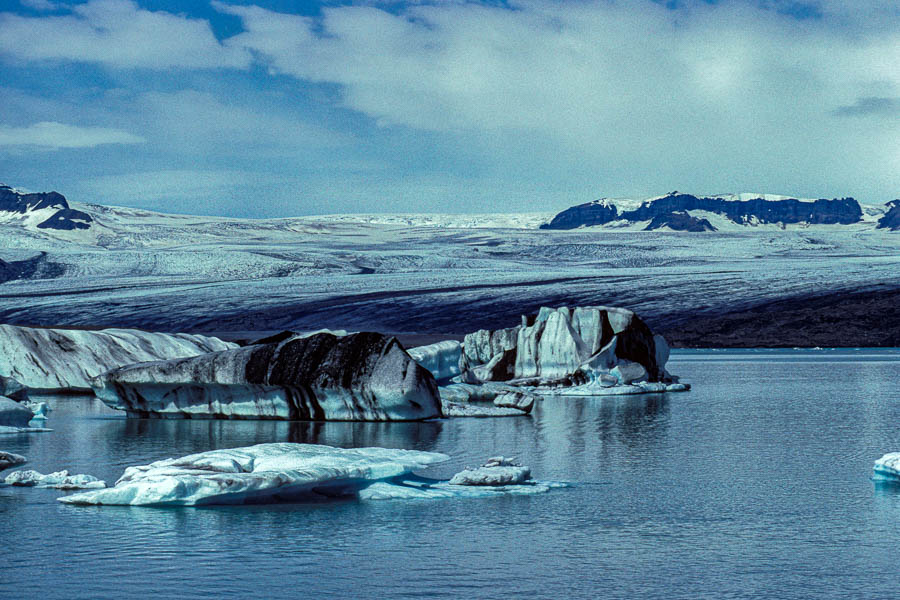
755,484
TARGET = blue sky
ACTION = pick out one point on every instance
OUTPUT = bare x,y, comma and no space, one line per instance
288,108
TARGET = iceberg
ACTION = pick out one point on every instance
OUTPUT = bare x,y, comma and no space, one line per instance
63,359
321,377
441,358
8,459
14,414
12,389
497,471
887,468
60,480
262,473
287,472
602,350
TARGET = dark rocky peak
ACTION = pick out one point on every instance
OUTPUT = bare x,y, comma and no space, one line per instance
12,200
598,212
743,212
680,221
64,219
891,219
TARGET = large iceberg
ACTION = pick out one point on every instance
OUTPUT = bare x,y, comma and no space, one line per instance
64,359
595,349
356,377
285,472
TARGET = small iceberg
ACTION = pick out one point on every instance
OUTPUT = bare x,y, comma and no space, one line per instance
495,472
887,468
61,480
285,472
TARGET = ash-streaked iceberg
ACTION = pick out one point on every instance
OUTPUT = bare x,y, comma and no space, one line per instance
593,350
14,414
287,472
321,377
60,480
8,459
66,359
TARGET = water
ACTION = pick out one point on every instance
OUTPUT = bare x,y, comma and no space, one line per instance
754,485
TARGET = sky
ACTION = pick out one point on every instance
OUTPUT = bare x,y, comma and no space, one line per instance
284,108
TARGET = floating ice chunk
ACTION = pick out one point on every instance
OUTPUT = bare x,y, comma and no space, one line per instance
40,409
262,473
887,468
520,400
495,472
4,430
284,472
441,358
598,388
457,409
14,414
61,480
8,459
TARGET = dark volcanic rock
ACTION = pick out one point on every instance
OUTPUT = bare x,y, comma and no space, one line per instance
64,218
891,219
758,210
680,221
583,215
67,219
357,377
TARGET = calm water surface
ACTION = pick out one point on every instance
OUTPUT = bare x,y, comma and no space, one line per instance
754,485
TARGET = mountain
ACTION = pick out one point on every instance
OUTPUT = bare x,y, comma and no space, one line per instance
47,210
686,212
891,218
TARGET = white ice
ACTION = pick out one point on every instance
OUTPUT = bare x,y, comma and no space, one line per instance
60,480
53,359
887,468
282,472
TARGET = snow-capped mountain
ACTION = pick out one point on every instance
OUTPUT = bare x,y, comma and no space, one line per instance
48,210
685,212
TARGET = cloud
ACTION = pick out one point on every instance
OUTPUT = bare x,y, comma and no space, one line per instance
870,106
43,5
49,135
117,33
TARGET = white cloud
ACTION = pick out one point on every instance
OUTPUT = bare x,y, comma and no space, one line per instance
117,33
49,135
45,5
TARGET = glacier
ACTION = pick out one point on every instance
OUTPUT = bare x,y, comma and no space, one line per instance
66,359
362,376
285,472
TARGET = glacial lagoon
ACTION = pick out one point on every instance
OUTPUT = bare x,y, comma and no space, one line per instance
755,484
